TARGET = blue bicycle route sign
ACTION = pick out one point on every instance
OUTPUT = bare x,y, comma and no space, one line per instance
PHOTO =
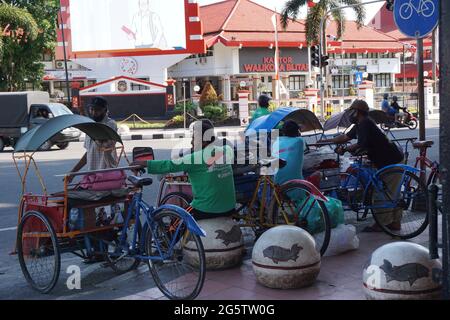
416,18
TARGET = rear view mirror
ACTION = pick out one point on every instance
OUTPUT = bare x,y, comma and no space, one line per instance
143,154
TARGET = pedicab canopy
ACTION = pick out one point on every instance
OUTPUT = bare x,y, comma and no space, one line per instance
306,119
342,120
36,137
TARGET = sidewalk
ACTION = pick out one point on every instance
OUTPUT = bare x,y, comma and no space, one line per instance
340,279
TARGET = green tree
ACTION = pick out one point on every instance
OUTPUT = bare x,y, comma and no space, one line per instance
21,61
292,9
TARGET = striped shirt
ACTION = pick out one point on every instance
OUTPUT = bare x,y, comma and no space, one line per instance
97,159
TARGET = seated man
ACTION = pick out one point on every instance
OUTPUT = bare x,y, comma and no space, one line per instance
210,172
386,107
291,147
399,114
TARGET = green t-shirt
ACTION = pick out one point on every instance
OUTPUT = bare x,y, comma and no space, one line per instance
260,112
212,180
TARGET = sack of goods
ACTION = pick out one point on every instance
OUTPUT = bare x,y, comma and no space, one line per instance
343,239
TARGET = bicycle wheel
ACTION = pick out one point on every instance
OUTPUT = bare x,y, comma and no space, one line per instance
352,193
298,206
39,252
173,274
178,199
399,204
117,256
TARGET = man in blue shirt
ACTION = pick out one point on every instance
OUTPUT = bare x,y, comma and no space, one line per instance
386,106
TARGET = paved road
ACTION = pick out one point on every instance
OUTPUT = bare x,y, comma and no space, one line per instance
55,162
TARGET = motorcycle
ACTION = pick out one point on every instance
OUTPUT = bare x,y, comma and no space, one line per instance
409,121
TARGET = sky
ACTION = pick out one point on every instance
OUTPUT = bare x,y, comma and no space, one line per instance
371,9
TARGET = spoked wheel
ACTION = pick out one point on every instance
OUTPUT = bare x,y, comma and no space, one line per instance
39,252
352,193
119,257
178,199
176,275
297,205
399,203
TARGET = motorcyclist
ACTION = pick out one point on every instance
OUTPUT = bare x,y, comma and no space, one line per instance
399,111
386,107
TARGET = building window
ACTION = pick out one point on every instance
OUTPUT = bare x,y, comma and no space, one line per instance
139,87
47,57
350,56
341,82
297,83
209,53
383,80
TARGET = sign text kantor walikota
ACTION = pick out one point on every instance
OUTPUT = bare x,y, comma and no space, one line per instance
286,64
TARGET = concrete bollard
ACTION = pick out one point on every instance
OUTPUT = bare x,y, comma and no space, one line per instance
285,257
224,244
402,271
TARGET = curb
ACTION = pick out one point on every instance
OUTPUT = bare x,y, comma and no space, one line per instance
168,136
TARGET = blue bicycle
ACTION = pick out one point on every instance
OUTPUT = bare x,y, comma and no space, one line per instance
158,237
394,195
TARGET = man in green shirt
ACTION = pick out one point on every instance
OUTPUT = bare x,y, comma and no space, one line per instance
210,172
263,107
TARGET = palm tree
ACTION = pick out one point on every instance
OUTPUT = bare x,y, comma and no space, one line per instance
316,13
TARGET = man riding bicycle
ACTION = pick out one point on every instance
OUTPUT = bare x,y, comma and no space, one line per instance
381,152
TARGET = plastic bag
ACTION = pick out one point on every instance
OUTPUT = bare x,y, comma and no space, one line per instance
315,217
343,239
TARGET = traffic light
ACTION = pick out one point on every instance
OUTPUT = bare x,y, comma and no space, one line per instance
315,56
325,61
390,5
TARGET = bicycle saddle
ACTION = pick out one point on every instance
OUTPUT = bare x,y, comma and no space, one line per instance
140,182
423,144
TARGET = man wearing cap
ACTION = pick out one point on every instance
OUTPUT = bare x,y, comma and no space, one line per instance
381,152
99,154
209,167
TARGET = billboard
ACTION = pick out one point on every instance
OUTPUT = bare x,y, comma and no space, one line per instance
111,28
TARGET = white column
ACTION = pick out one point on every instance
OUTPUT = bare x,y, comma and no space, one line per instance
429,99
311,96
244,113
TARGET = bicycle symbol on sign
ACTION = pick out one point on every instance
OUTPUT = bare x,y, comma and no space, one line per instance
425,8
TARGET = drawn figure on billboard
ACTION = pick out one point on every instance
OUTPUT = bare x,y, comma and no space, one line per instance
146,30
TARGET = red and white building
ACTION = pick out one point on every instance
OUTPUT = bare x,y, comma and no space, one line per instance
240,52
240,40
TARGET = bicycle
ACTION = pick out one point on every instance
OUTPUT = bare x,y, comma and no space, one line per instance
160,241
395,188
292,203
434,176
425,8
